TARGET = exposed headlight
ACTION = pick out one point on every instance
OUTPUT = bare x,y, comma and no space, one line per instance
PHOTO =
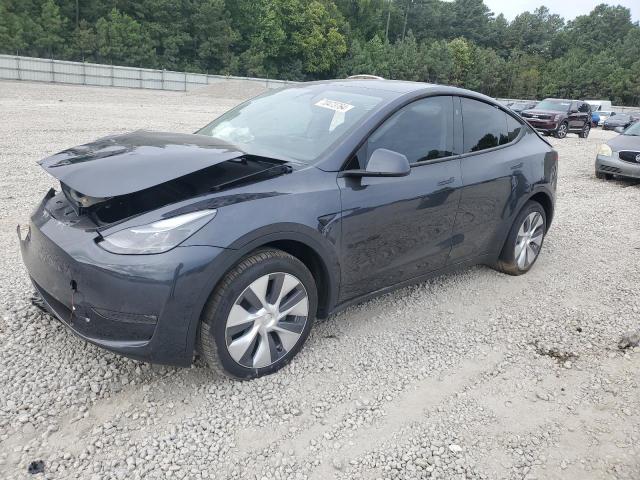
605,150
157,237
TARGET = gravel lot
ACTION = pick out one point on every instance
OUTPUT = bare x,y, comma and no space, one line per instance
474,375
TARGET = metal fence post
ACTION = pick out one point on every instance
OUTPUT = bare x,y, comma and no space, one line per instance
185,81
18,67
84,72
163,79
113,74
53,74
140,77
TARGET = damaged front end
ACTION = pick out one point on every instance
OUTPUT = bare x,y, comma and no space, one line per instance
92,248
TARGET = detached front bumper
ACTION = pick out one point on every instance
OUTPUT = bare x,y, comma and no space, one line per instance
145,307
614,166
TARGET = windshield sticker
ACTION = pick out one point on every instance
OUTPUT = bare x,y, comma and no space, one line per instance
334,105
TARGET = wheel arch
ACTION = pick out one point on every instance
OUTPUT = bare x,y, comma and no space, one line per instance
316,265
543,199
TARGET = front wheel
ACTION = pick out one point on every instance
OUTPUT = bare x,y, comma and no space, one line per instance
603,176
259,316
562,130
525,240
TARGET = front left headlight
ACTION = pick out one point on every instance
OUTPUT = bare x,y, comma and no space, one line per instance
605,150
157,237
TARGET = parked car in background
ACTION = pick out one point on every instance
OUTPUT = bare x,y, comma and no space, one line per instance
599,105
603,115
520,106
291,206
620,156
554,116
622,120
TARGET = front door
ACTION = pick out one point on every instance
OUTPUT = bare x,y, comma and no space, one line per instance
398,228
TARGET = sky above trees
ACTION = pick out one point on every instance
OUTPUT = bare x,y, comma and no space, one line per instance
569,9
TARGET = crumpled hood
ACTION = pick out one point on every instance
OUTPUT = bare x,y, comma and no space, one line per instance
122,164
625,142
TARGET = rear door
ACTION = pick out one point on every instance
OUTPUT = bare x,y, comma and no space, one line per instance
575,121
398,228
584,114
494,177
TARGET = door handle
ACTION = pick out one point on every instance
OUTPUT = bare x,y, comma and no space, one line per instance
516,167
447,181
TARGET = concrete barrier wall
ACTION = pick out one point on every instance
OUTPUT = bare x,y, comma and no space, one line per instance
33,69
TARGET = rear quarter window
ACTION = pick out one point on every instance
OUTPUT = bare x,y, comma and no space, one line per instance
484,126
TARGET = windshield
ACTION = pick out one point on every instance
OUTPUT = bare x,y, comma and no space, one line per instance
604,113
299,123
554,105
633,130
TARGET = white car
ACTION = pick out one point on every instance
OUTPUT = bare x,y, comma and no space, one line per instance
598,105
604,115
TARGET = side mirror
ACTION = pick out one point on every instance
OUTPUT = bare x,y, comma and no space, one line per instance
618,129
383,163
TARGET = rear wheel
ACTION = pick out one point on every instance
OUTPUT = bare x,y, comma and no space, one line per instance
525,240
585,130
562,130
259,316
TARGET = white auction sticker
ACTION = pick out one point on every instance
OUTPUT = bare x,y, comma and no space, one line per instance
334,105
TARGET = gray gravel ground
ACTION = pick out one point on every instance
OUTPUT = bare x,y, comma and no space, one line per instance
474,375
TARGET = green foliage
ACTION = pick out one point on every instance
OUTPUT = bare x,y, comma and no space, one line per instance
121,40
457,42
51,29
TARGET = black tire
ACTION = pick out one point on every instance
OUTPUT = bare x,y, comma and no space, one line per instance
212,333
507,262
584,133
603,176
562,130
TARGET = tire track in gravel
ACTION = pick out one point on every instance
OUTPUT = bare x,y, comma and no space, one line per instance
411,406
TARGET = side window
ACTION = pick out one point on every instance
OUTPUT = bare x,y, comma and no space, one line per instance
513,128
485,126
422,130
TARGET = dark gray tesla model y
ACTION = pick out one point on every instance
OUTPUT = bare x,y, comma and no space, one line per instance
231,241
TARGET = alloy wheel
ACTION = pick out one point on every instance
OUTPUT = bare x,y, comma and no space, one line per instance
267,320
562,130
529,240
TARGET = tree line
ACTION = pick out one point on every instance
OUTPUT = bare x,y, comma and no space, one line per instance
462,43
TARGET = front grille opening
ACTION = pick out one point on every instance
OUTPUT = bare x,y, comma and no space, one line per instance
629,156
